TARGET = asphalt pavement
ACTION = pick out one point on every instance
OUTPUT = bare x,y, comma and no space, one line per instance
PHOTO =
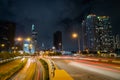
81,69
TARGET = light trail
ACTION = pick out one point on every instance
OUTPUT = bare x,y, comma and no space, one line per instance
99,64
25,72
105,71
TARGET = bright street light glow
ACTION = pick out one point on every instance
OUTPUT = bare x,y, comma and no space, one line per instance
3,45
19,39
30,45
74,35
28,39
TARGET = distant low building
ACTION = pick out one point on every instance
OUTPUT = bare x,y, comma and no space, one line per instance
66,53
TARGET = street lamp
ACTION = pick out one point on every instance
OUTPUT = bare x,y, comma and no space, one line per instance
75,35
17,46
2,45
30,46
28,39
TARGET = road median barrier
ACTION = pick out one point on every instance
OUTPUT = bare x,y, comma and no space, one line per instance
45,68
114,61
55,73
102,60
51,67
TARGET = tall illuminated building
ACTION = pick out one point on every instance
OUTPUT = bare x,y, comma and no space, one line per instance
97,33
88,32
34,38
31,46
117,42
7,35
57,40
83,37
104,34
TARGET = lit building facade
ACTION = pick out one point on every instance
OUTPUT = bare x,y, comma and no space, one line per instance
104,34
97,33
34,38
88,28
117,42
7,35
31,46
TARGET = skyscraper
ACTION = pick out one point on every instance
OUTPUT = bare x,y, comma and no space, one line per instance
7,35
31,45
34,38
97,33
117,42
88,27
104,34
57,40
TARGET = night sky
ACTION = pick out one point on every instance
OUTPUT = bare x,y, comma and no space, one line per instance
49,16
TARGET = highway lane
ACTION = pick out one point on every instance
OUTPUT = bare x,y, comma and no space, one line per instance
39,71
87,70
31,71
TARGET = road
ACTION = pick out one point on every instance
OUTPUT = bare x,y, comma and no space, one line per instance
88,70
31,71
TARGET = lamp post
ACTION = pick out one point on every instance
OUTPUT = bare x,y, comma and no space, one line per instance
20,42
2,47
30,44
75,35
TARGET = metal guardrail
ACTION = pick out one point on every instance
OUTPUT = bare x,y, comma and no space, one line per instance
7,60
52,68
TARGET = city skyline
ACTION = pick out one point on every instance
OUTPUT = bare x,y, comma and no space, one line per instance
59,40
50,16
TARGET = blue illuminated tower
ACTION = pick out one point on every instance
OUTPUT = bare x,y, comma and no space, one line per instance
30,46
34,38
